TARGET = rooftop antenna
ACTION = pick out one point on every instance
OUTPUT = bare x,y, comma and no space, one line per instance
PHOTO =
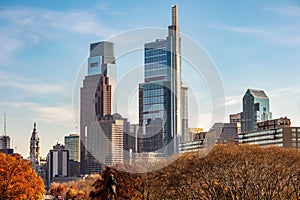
4,123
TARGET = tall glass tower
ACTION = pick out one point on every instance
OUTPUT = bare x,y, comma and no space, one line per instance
160,95
255,109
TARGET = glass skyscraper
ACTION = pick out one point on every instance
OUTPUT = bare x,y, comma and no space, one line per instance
160,94
255,109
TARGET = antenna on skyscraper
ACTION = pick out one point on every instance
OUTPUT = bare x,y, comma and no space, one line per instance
4,121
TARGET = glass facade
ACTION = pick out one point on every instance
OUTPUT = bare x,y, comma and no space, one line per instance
255,109
72,143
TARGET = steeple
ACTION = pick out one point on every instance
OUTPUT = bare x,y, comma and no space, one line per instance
35,147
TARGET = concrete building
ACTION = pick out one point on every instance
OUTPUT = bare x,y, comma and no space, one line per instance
160,96
34,155
255,109
235,118
185,115
57,163
277,132
96,99
219,133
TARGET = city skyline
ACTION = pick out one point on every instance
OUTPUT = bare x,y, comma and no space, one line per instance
43,48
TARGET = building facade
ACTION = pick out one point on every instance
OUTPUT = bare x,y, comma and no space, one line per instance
57,163
96,99
255,109
235,118
277,132
160,107
72,144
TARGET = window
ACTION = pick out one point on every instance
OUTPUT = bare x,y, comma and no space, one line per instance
94,64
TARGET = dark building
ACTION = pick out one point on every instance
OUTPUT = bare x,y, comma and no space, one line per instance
255,109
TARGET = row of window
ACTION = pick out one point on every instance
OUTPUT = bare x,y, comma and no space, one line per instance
265,137
268,142
154,52
149,93
154,107
162,72
156,59
151,100
262,133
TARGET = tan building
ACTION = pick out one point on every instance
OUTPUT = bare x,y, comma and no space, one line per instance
235,118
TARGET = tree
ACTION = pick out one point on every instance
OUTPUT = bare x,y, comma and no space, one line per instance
18,180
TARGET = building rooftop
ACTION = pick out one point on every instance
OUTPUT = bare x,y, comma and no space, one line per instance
258,93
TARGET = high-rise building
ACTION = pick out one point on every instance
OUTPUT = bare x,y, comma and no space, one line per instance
160,112
184,112
4,142
57,163
255,109
34,147
97,99
72,144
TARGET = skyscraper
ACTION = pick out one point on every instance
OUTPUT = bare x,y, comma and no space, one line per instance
72,144
35,147
96,98
160,111
255,109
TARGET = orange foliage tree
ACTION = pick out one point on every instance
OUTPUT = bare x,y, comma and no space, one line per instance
18,180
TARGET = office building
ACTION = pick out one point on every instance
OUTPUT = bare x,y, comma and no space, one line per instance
160,96
57,163
4,142
235,118
72,144
276,132
219,133
255,109
96,97
34,155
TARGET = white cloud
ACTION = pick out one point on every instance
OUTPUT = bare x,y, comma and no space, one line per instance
239,29
288,10
60,114
287,35
23,27
28,85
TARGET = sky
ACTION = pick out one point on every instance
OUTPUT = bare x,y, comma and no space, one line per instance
44,46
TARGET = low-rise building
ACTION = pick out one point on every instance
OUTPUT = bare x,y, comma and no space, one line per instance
277,132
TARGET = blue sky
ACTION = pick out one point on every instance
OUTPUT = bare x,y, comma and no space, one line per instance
254,44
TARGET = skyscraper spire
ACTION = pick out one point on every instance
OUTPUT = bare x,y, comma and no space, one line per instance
174,15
